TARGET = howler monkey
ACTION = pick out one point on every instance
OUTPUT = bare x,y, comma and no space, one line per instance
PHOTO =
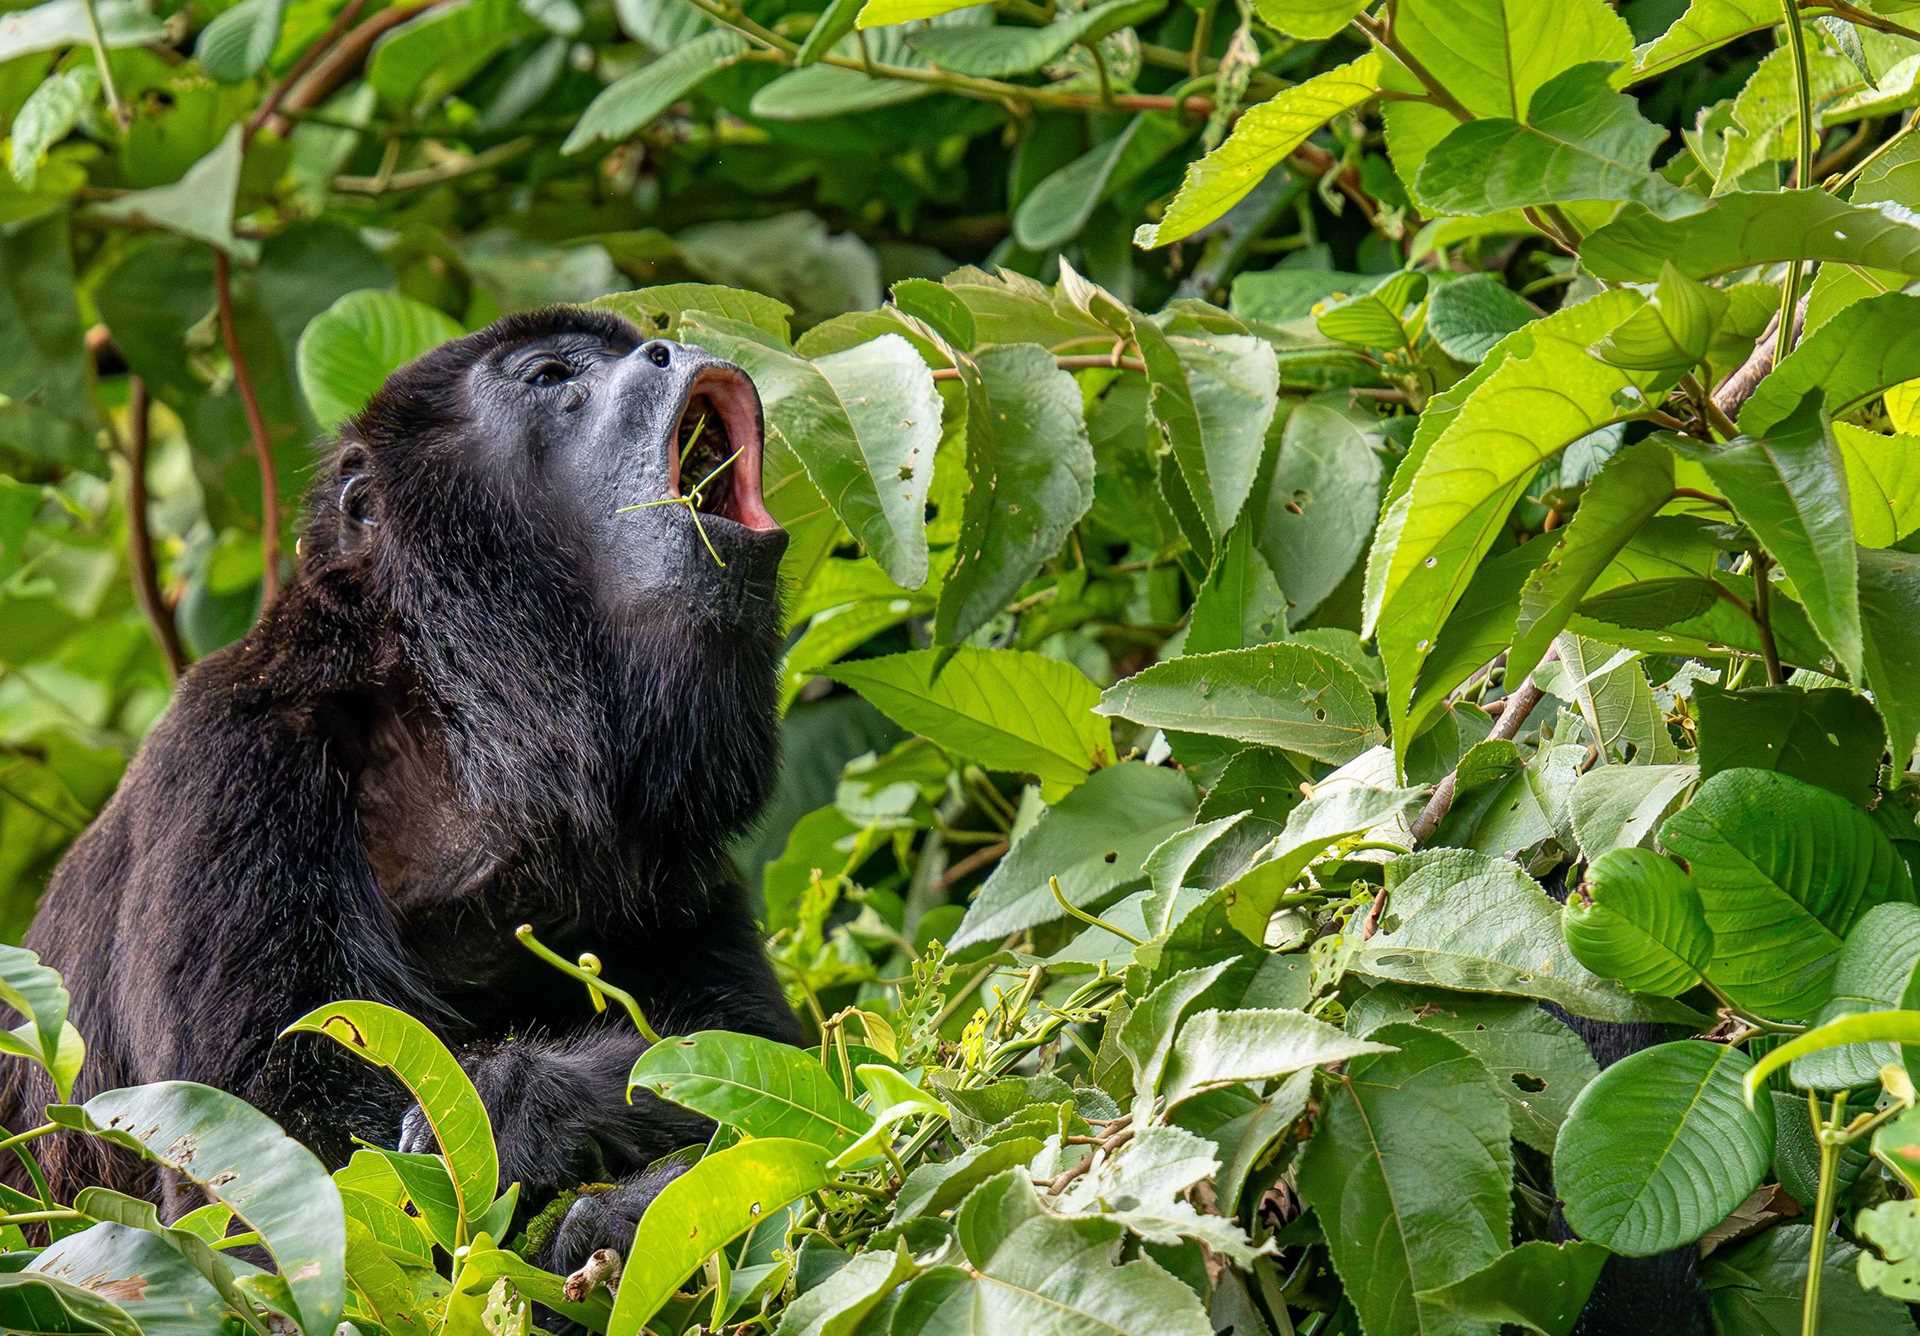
495,692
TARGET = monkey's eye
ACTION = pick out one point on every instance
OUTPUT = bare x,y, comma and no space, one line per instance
548,371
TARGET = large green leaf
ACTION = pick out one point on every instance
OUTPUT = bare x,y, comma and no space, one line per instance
1614,805
1292,696
1212,398
1006,709
1216,1048
133,1273
1313,527
1333,814
347,352
1829,736
135,1213
60,23
1464,920
241,1158
1004,50
1760,1286
1890,624
428,57
763,1087
1410,1175
1029,480
710,1205
1259,143
1784,870
1660,1148
1705,26
1741,229
1850,361
630,102
1538,1285
1637,918
1056,209
1873,973
37,993
1030,1271
44,1305
1883,483
387,1038
1094,840
199,205
1312,19
240,40
1581,140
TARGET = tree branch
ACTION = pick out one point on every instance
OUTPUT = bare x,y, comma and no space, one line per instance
308,58
256,428
146,580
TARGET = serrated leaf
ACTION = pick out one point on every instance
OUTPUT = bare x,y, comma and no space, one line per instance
1212,399
1259,143
1409,1174
763,1087
628,103
1311,528
1469,315
1850,361
1741,229
1784,870
1538,1285
1094,840
839,1304
1006,709
346,353
1883,483
1705,26
1328,817
1660,1148
1373,319
1215,1048
1467,921
1673,332
665,307
1285,695
1310,19
1580,141
1637,918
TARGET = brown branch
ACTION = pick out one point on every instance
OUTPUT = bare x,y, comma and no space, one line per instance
972,863
1518,706
256,428
346,55
146,579
1740,384
307,60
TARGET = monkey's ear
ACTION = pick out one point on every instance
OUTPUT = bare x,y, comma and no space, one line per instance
359,508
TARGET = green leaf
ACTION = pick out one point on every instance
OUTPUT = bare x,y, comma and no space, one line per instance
1581,141
1310,19
1216,1048
1830,736
940,1185
1613,697
1616,805
834,23
1409,1174
1468,316
1873,973
1741,229
1760,1287
1851,361
881,13
1333,814
135,1213
1240,605
1891,1261
1146,1033
47,1306
839,1304
1259,143
1056,209
1784,870
820,91
1883,483
1706,25
239,41
47,117
723,1196
1006,709
1312,528
1032,1271
1629,490
156,1289
1865,1027
1029,480
1477,448
1673,332
347,352
428,57
37,992
1539,1286
62,23
1374,318
198,205
664,308
1660,1148
1142,1184
760,1086
1285,695
628,103
1212,399
238,1156
1094,840
392,1039
1637,918
1890,626
1467,921
1000,51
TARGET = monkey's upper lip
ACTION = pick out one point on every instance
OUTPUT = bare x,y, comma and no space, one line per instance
716,449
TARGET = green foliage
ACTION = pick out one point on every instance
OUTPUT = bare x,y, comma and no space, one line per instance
1272,492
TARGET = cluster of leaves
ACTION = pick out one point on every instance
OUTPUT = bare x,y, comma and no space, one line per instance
1189,714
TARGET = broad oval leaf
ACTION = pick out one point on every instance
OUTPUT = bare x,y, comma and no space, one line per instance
710,1205
1285,695
1004,50
760,1086
1866,1027
1785,869
33,1302
387,1038
629,103
1874,973
241,1158
1637,918
347,351
1660,1148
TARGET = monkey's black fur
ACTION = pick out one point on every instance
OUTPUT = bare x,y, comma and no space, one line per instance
487,697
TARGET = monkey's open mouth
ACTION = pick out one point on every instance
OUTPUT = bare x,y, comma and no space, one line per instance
717,450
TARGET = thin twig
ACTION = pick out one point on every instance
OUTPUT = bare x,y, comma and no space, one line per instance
422,177
1740,384
1802,169
256,428
306,61
972,863
121,116
146,580
346,55
1075,362
1763,619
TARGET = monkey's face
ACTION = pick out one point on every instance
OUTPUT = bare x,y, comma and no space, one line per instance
638,460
